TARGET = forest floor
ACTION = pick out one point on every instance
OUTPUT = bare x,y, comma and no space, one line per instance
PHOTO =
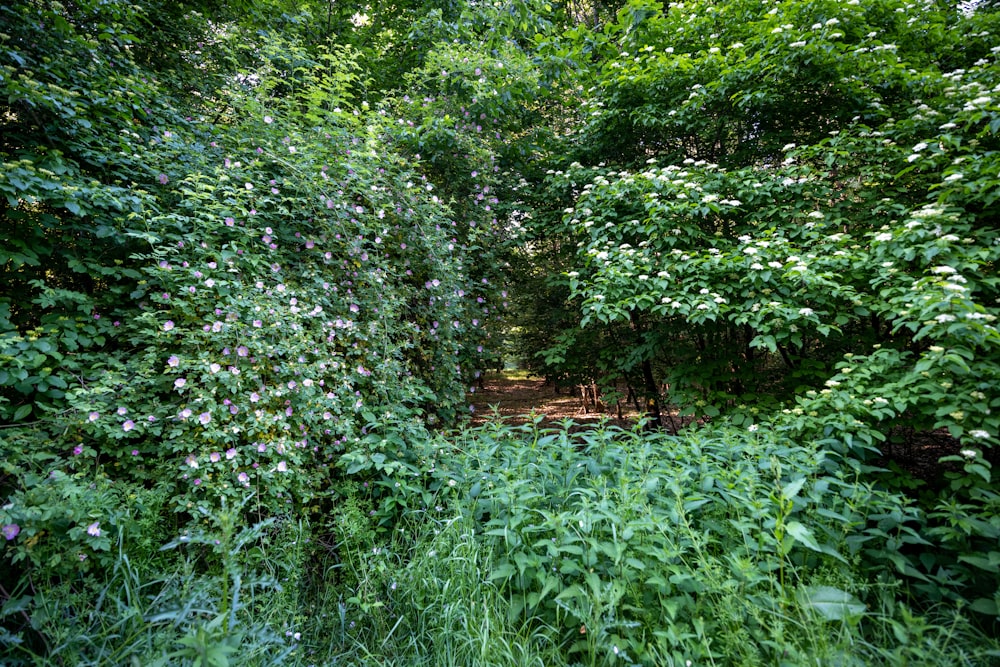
513,395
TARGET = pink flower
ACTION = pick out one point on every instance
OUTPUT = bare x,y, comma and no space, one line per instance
215,457
93,416
205,417
244,478
162,178
128,425
180,382
94,529
174,361
168,325
77,450
230,454
242,351
10,531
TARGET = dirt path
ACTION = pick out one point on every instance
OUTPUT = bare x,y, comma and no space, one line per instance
515,397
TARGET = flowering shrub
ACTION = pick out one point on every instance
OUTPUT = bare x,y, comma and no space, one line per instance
254,302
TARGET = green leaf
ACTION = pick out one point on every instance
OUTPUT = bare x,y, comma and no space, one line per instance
792,489
985,606
831,603
803,535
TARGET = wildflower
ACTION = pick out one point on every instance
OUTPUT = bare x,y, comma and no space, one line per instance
162,178
94,529
10,531
93,416
979,433
173,361
191,461
128,425
230,454
215,457
968,453
805,311
205,417
168,325
77,450
282,466
752,428
180,382
244,479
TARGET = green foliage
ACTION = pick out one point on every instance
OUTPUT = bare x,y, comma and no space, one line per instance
256,253
602,546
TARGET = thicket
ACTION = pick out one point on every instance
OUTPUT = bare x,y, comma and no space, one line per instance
256,254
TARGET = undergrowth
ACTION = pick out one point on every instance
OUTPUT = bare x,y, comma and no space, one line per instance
525,545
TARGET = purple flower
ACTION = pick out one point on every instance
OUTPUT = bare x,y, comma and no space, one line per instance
230,454
77,450
282,466
128,425
162,178
215,457
205,417
242,351
10,531
243,478
180,382
168,325
93,416
173,361
94,529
